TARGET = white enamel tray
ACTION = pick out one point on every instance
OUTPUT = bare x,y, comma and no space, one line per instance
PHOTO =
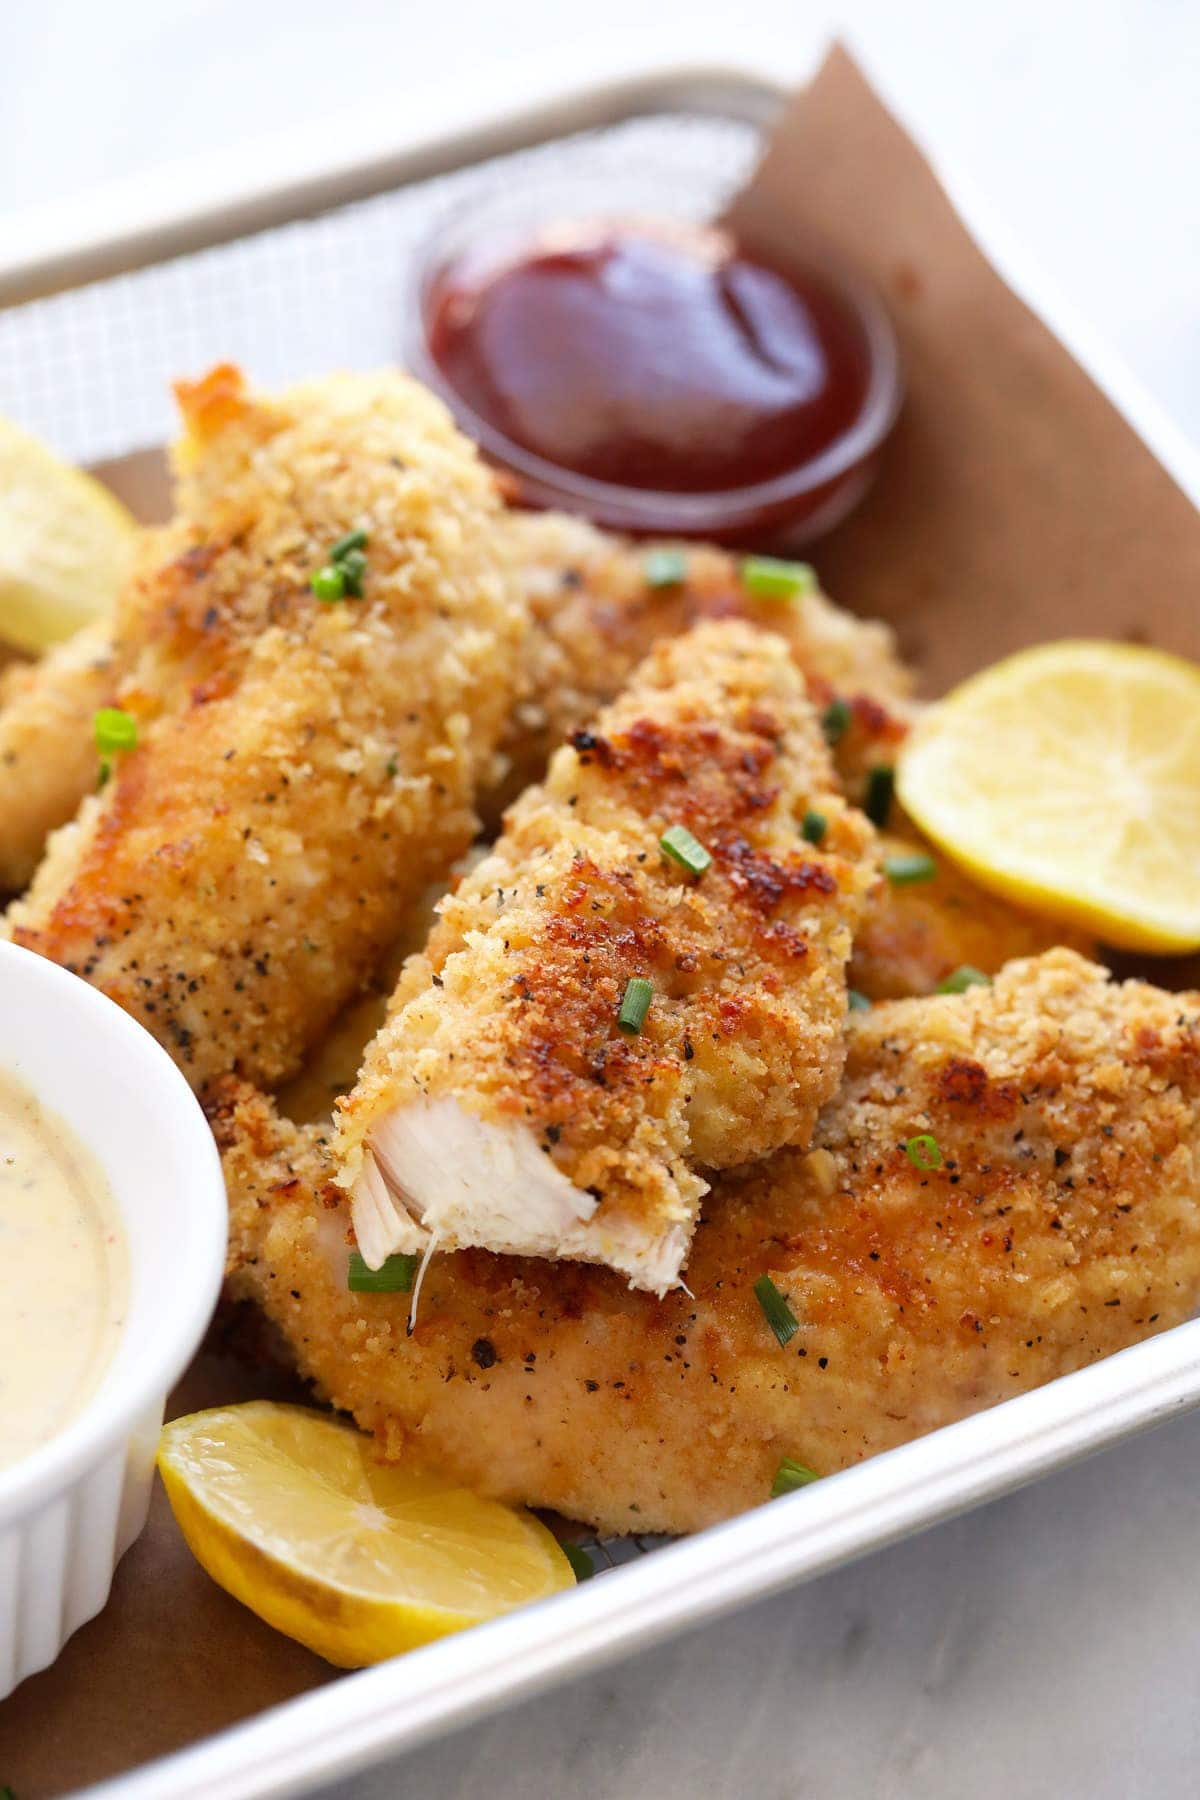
88,368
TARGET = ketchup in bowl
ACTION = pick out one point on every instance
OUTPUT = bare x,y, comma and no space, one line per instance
657,377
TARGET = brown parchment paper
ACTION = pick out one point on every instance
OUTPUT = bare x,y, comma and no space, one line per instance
1013,504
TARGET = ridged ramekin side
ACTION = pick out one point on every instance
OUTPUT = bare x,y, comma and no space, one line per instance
57,1563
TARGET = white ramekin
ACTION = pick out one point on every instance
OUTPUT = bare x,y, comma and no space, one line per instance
69,1511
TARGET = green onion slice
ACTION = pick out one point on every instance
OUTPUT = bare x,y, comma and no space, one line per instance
114,730
791,1475
835,721
352,568
664,568
881,785
776,1311
678,843
635,1004
579,1560
353,540
909,866
923,1151
814,827
329,583
857,1002
770,579
964,977
393,1276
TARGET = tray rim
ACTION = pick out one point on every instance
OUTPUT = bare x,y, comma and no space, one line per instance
202,201
344,1727
335,1730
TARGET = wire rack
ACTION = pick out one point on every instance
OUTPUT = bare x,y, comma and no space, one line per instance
90,370
610,1553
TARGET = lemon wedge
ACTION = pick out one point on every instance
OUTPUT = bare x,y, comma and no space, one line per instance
290,1512
1068,778
66,544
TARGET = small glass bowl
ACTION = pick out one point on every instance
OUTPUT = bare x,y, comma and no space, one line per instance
493,226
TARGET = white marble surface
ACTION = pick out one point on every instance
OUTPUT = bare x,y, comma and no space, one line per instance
1045,1648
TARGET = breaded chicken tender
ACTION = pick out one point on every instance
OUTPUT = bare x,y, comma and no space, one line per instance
595,614
303,768
502,1105
1061,1224
48,758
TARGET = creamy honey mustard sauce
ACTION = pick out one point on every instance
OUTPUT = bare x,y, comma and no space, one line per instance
63,1274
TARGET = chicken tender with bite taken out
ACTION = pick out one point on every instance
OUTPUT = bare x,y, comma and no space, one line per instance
1005,1188
644,980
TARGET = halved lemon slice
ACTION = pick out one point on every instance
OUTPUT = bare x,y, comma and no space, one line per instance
66,544
290,1512
1068,778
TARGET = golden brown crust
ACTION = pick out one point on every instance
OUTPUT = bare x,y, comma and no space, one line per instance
303,770
595,616
1063,1224
513,1009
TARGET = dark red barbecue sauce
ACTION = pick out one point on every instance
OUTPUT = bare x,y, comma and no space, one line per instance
656,359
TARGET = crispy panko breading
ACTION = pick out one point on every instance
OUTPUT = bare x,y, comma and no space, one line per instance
1062,1224
595,615
48,757
592,617
917,934
502,1105
303,769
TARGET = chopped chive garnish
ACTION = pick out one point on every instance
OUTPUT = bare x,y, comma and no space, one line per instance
923,1151
678,843
114,730
353,540
910,866
769,579
964,977
102,781
329,584
581,1563
881,785
791,1475
814,827
343,574
635,1004
664,568
352,567
393,1276
776,1311
857,1002
835,721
